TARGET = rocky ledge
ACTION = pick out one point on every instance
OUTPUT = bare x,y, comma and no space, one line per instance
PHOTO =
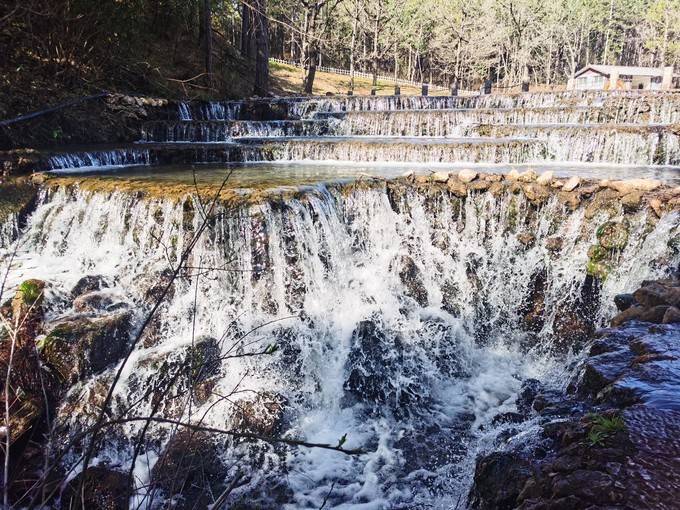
611,439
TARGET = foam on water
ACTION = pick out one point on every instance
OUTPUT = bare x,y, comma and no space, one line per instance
436,354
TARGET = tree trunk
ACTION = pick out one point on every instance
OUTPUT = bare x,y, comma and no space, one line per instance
245,31
352,50
310,49
261,29
207,40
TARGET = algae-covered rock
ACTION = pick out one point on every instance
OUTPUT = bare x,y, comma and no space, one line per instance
598,270
77,348
596,253
613,235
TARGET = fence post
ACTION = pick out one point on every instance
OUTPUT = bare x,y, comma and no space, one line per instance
454,88
487,86
423,89
397,90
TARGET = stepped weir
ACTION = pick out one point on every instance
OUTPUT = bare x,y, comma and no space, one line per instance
386,277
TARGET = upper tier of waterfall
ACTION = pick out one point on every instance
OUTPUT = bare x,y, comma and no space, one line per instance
574,127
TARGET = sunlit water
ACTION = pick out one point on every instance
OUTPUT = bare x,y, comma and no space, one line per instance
436,367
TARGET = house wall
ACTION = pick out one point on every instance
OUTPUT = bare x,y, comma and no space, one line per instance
590,80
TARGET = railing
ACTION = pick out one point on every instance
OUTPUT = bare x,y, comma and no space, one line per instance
381,77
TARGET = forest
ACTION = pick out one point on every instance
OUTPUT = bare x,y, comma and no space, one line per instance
216,48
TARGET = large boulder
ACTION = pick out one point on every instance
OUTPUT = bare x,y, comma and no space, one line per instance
80,347
499,479
104,489
261,415
189,471
377,367
412,279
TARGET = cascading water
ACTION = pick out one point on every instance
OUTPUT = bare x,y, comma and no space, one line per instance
98,159
576,127
397,312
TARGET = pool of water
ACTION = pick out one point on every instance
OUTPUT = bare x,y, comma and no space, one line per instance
271,175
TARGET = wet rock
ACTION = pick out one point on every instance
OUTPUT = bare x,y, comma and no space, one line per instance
496,189
545,179
457,187
480,185
572,183
535,193
629,314
632,185
17,200
527,394
189,472
591,485
87,284
631,201
512,175
613,235
262,415
654,314
78,348
672,315
379,372
92,302
526,239
657,206
527,176
571,200
624,301
554,244
412,279
104,489
440,176
467,175
156,285
508,417
650,295
498,481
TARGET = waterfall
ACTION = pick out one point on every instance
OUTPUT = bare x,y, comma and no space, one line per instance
396,309
224,131
184,111
471,150
212,110
101,160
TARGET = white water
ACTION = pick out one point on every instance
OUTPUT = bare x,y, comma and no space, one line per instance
97,160
332,258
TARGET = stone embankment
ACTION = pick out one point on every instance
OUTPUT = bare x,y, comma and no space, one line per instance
611,440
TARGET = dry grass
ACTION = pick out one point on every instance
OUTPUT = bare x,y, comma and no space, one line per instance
287,80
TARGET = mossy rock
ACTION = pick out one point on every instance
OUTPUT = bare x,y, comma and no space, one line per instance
598,270
30,292
613,235
597,253
79,348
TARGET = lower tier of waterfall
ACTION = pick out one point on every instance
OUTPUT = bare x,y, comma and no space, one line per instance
399,318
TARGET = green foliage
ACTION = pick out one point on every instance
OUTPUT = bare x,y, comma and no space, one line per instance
30,291
271,349
604,427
